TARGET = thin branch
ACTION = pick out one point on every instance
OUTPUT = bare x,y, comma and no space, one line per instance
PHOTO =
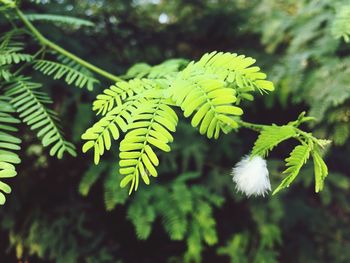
251,126
46,42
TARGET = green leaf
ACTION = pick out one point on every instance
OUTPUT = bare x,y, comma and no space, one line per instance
149,127
90,178
8,144
270,137
294,162
119,92
73,21
320,168
207,90
31,103
341,23
77,77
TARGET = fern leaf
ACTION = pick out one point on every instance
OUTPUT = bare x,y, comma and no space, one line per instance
72,64
5,74
142,215
90,178
208,89
30,104
100,135
11,41
174,221
294,162
8,144
139,70
72,21
113,194
270,137
14,58
150,128
148,120
70,75
116,94
341,23
168,68
209,101
320,168
174,218
235,69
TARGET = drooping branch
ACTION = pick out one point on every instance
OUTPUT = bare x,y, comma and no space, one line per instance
47,43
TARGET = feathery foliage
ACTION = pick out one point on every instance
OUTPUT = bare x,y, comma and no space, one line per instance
168,68
44,237
150,127
13,58
270,137
113,194
142,108
25,99
209,90
114,95
294,162
30,104
8,145
238,248
313,66
90,178
59,19
341,23
321,170
309,66
190,217
70,75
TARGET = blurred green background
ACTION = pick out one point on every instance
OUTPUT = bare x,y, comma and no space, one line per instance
72,211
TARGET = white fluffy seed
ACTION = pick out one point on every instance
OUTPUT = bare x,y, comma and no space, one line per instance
251,176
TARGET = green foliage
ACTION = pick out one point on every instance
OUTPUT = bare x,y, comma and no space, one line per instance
114,95
312,65
239,251
335,77
341,23
7,4
30,104
321,170
308,65
8,144
71,21
113,194
142,108
44,238
90,178
236,248
270,137
20,95
208,90
14,58
189,217
150,126
70,75
294,162
168,68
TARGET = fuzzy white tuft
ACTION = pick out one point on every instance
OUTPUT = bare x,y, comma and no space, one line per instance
251,176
